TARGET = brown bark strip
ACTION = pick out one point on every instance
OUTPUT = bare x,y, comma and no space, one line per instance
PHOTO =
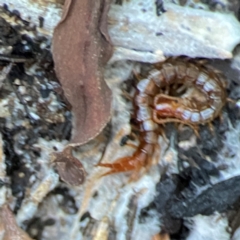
80,52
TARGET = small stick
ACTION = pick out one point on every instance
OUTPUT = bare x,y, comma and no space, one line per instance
13,58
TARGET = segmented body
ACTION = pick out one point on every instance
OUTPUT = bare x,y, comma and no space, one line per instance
153,106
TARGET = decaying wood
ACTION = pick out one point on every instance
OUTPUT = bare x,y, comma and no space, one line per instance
80,51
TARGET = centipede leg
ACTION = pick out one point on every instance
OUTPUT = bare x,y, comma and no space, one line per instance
135,175
221,118
127,95
112,171
136,75
167,90
137,172
229,100
195,129
211,128
181,126
131,145
134,128
173,120
161,132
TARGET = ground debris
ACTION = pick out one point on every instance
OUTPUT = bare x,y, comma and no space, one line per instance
35,124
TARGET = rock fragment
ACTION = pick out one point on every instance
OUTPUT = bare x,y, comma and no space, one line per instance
177,31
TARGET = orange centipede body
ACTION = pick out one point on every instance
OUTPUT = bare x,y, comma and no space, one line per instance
154,106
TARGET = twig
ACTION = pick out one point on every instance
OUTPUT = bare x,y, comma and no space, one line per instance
13,58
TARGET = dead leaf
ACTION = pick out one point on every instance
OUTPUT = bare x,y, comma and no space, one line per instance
80,51
69,168
9,226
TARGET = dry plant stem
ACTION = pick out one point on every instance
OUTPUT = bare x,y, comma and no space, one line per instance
2,161
87,197
80,51
153,107
132,215
4,73
36,195
13,58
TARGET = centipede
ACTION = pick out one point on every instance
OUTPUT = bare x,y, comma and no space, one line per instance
154,105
